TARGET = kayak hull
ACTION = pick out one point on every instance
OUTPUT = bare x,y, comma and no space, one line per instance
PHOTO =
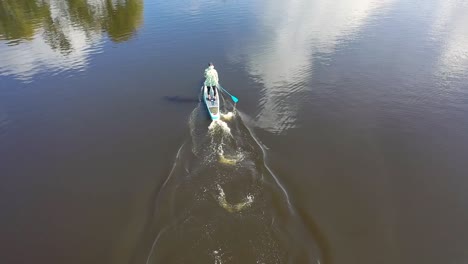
211,106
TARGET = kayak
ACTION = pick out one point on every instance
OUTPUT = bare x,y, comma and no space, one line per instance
212,106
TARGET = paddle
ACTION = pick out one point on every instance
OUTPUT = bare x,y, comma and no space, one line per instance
232,96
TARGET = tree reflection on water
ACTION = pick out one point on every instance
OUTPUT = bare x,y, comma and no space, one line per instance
21,20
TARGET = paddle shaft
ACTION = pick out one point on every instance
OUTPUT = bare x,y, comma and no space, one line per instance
232,96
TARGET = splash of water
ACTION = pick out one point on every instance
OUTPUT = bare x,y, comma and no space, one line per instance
222,158
228,116
226,160
219,125
217,256
232,208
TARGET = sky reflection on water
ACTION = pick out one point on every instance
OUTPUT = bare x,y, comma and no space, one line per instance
56,36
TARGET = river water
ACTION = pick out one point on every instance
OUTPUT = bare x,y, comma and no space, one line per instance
348,144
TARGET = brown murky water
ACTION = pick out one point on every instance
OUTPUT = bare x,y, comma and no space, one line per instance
348,143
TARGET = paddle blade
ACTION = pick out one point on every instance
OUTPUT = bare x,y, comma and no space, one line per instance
232,96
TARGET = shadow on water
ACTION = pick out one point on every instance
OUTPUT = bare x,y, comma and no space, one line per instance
221,203
181,99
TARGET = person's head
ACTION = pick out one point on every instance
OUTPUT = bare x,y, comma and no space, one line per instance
210,64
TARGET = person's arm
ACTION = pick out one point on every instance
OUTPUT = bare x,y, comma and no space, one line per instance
206,74
216,77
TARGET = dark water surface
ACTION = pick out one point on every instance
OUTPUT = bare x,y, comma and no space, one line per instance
348,145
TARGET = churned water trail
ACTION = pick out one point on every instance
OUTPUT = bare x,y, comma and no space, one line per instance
233,207
264,152
173,166
223,204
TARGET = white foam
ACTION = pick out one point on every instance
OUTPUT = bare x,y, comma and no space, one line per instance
217,256
233,207
219,125
229,159
227,116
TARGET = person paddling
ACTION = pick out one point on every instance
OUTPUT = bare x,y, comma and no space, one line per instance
211,80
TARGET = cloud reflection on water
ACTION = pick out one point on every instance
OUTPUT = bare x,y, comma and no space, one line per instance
293,34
